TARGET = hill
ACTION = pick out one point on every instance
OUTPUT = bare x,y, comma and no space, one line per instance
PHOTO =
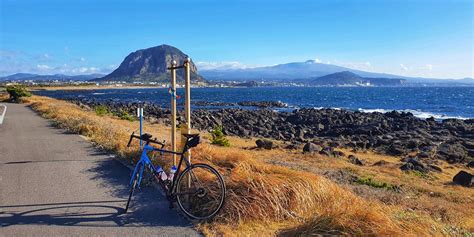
352,79
150,65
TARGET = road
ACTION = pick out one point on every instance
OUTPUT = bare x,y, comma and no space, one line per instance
55,183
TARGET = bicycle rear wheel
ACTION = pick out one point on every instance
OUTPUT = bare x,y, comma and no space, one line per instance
132,189
200,191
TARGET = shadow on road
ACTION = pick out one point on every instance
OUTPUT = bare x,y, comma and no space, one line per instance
148,207
95,213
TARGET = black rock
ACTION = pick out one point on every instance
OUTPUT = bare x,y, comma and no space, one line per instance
291,147
356,161
263,143
381,163
470,164
407,167
435,168
396,150
414,164
311,148
327,151
338,154
452,152
464,178
263,104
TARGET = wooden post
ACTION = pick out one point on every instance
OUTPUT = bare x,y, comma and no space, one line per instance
173,110
187,73
187,103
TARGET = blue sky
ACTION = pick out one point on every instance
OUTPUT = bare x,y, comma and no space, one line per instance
406,37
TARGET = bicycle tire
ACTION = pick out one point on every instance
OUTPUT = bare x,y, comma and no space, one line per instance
132,189
196,202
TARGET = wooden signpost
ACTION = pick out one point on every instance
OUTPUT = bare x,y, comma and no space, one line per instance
186,129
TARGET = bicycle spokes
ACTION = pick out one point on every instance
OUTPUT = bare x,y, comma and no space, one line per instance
200,192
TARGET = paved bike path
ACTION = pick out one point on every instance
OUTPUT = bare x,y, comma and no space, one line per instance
54,183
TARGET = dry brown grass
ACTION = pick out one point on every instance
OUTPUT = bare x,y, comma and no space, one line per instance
290,198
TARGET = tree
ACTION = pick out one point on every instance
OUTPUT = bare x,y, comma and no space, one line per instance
17,91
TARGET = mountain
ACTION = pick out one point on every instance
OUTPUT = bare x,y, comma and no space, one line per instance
150,65
302,71
58,77
288,71
351,79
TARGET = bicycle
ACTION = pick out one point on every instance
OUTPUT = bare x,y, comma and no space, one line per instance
198,189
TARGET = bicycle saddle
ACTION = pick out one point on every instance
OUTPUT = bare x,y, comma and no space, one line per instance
190,135
146,136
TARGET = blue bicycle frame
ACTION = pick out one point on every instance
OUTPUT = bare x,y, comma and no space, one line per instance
142,163
146,162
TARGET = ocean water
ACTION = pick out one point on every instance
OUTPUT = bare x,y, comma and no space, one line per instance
423,102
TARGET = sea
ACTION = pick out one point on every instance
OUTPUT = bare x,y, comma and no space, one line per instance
423,102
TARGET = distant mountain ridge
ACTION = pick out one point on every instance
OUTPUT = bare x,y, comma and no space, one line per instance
151,65
53,77
307,70
288,71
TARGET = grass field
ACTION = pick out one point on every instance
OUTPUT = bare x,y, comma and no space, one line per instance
284,192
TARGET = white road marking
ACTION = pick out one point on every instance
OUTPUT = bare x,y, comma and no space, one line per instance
3,115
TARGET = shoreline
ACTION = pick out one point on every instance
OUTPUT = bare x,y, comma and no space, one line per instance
392,133
211,98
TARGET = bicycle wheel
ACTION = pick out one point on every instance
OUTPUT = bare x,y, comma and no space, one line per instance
132,189
200,191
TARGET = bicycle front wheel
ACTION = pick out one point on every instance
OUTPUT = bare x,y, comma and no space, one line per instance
200,191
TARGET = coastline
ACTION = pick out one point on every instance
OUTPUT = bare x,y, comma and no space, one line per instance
391,133
447,102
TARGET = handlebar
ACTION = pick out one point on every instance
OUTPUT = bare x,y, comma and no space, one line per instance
145,137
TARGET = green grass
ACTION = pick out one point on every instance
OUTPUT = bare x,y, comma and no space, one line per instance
101,110
375,184
126,116
218,137
420,174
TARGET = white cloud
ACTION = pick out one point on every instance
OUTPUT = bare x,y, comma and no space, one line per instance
365,66
225,65
45,57
69,70
317,60
82,70
428,67
82,59
403,67
43,67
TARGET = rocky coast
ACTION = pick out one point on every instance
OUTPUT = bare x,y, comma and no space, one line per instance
420,142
